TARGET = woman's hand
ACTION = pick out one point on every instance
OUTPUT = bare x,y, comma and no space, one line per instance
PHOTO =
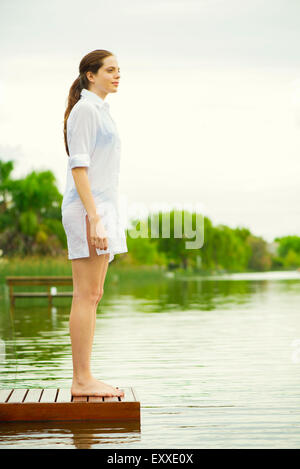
98,233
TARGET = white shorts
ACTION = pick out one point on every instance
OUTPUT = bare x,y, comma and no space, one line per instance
74,223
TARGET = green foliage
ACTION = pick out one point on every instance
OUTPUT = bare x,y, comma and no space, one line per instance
222,249
292,259
30,214
288,243
260,259
288,252
30,225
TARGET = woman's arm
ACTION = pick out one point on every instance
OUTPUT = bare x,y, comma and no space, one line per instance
81,142
83,187
97,231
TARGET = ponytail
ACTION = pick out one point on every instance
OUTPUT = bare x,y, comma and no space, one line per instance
74,96
91,62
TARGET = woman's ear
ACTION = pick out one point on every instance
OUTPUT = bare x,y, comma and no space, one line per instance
90,76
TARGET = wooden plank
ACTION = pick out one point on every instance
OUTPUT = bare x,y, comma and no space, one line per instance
37,276
111,399
18,406
29,294
95,399
33,395
79,399
48,395
4,394
17,395
53,280
40,294
63,293
48,281
64,395
69,411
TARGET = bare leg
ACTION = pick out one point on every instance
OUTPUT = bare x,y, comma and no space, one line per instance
88,280
102,280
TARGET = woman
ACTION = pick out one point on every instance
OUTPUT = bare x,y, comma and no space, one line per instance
90,213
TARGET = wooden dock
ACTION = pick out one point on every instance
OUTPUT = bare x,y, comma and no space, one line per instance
58,404
47,281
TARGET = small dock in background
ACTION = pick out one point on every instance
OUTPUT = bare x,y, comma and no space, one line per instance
59,404
51,282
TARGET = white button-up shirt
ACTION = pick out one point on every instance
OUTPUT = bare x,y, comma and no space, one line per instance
94,143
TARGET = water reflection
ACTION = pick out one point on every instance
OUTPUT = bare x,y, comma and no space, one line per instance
81,434
212,360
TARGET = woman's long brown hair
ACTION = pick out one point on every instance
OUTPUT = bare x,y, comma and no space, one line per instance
89,63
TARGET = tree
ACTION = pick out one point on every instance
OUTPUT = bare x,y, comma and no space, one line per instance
30,214
260,259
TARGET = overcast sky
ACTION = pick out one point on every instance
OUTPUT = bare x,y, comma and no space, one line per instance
208,107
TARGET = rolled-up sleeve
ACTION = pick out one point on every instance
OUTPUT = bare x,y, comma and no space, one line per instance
81,132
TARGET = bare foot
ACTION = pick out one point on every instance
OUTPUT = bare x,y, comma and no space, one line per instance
94,387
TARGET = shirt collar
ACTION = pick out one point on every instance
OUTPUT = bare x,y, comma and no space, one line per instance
91,96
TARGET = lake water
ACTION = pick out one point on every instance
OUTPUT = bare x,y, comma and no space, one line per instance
215,362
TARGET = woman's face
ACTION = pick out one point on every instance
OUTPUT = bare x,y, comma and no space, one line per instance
107,78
